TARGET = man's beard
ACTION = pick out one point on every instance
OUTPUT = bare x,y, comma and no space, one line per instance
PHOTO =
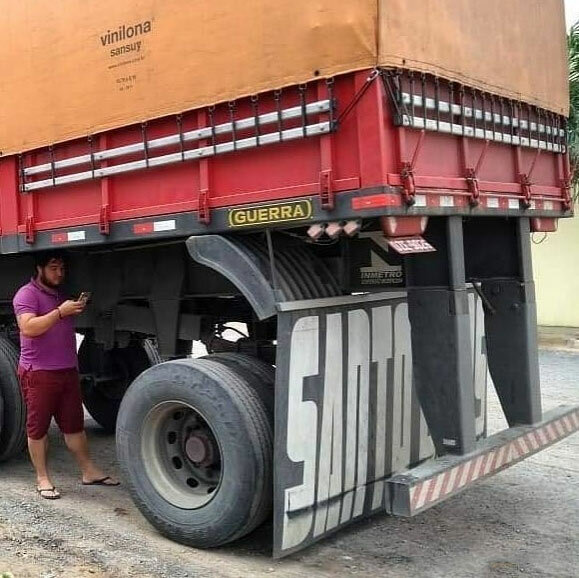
48,283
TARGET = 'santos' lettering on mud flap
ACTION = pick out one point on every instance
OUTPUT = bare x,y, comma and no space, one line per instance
347,416
278,213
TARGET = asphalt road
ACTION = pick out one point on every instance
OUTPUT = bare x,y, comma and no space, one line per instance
522,522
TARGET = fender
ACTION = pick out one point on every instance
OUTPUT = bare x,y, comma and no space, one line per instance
245,262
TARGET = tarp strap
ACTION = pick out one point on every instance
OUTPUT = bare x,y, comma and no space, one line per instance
373,76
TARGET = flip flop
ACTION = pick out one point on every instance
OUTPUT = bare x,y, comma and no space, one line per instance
102,482
55,495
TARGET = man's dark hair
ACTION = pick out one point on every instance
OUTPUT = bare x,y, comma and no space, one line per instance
44,258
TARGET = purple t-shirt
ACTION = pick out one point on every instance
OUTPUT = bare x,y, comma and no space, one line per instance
54,349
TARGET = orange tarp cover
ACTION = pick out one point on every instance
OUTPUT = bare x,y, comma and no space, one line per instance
77,67
514,48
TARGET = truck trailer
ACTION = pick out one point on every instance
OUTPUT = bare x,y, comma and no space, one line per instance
354,184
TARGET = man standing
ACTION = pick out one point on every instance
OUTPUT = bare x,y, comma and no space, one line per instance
48,371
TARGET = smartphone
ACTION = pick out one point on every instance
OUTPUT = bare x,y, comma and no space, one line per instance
84,296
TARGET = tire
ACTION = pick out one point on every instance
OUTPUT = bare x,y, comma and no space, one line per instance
13,433
259,375
177,403
102,400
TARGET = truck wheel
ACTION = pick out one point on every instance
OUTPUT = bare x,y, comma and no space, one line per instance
258,374
106,375
195,446
13,434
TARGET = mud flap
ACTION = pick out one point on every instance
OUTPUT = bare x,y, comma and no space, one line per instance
347,417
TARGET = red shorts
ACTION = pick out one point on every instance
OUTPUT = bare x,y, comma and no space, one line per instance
49,394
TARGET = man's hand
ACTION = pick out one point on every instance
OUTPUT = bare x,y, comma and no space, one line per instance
33,326
70,307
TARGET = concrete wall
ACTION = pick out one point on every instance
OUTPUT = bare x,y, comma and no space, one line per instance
556,269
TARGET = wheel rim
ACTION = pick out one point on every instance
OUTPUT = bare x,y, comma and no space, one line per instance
183,457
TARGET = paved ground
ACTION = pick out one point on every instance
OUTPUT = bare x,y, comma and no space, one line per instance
522,522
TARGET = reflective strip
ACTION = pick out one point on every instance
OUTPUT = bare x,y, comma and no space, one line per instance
464,474
68,237
477,468
522,446
154,227
434,489
512,453
59,238
542,437
422,493
143,228
159,226
489,462
503,456
420,200
449,481
437,487
561,428
532,441
375,201
77,236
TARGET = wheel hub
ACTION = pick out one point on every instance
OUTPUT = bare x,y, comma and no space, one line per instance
199,450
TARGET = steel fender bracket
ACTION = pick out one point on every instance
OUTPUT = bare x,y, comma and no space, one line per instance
435,481
238,266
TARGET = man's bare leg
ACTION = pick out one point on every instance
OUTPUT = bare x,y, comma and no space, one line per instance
78,445
38,452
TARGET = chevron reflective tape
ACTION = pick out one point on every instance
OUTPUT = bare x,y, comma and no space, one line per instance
67,237
154,227
424,486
